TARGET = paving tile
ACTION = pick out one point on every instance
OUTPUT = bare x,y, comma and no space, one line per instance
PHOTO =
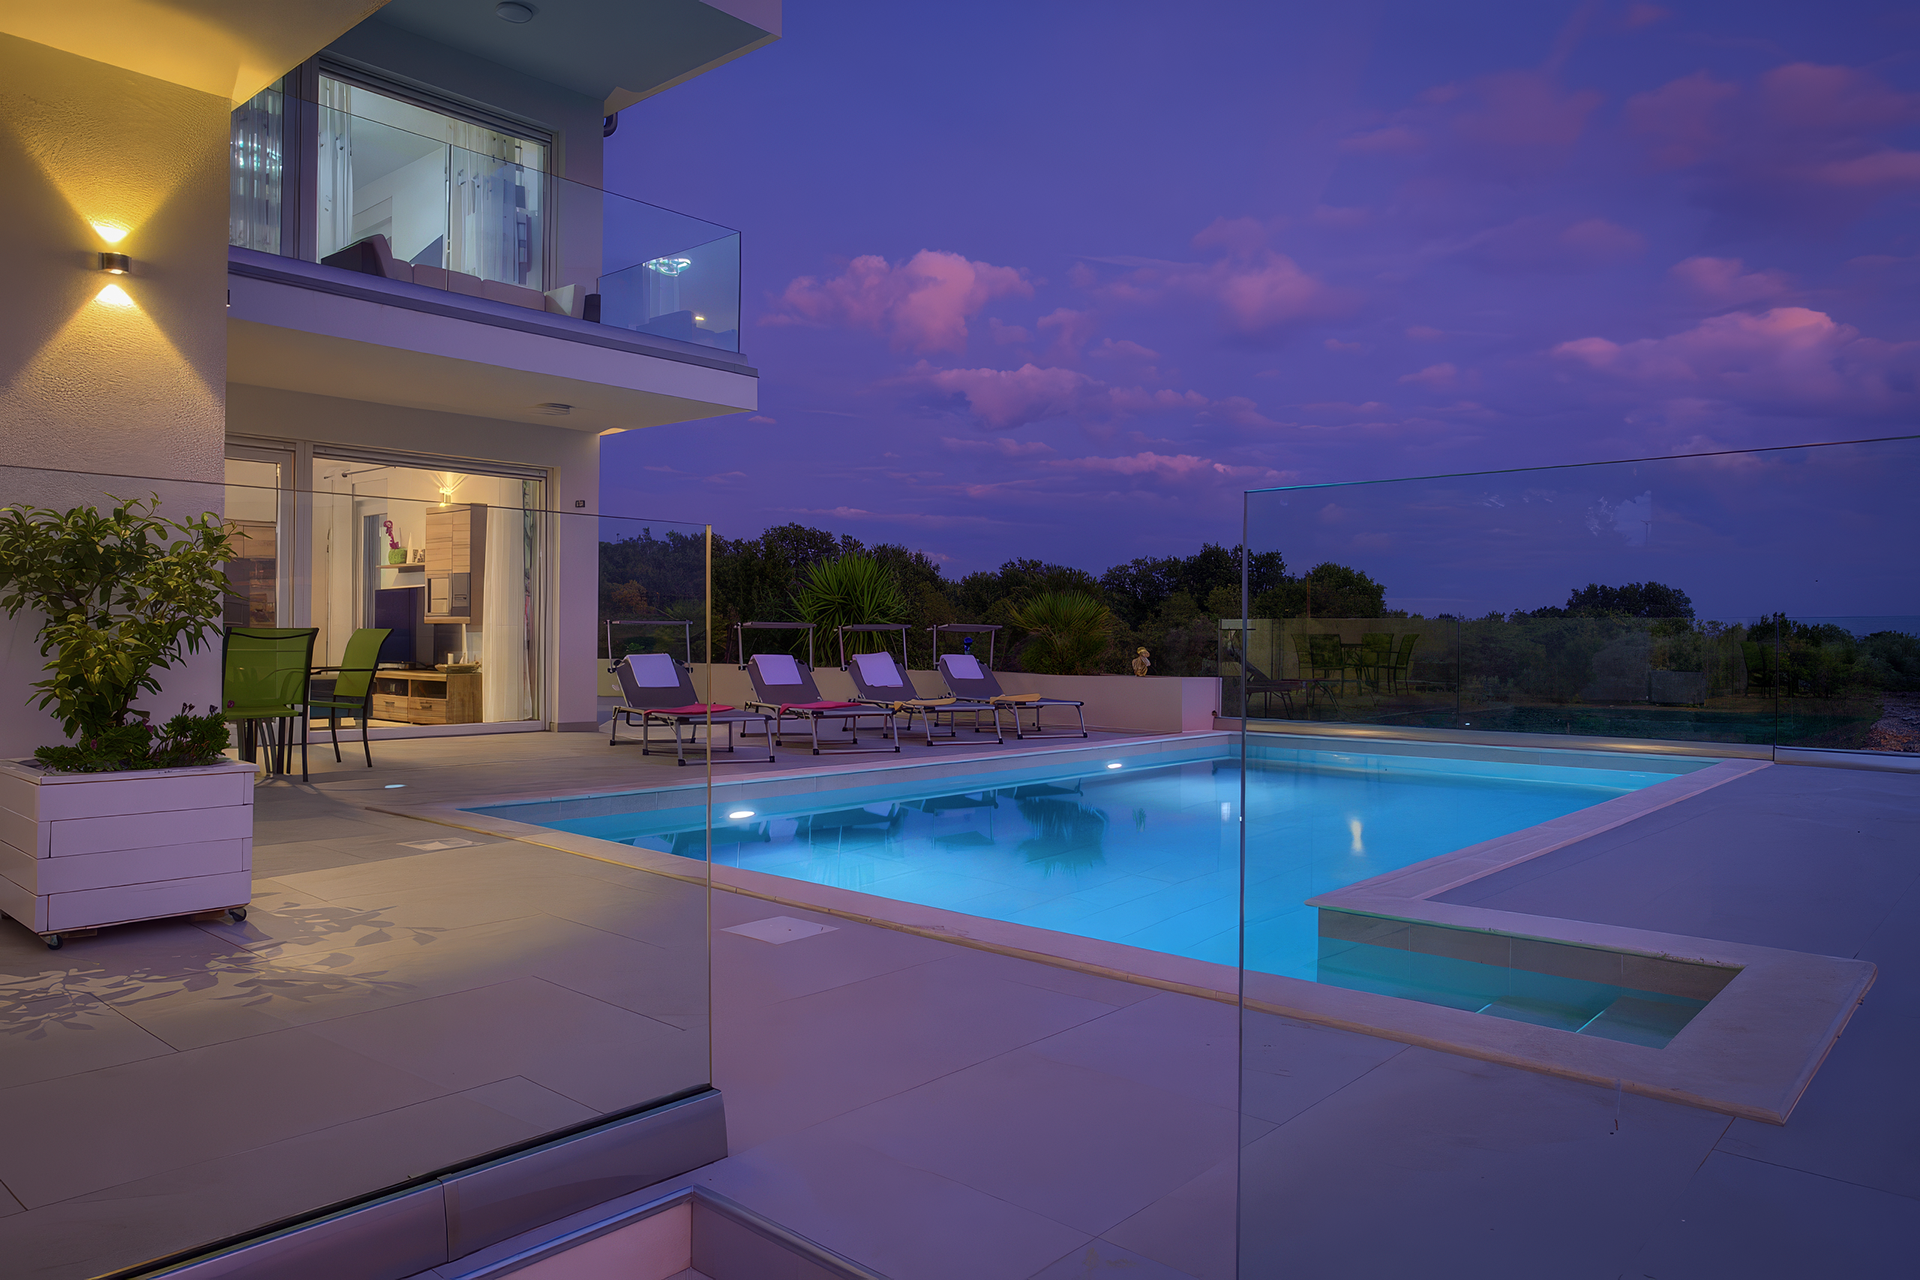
1180,1044
800,1061
1859,1120
896,1218
126,1224
1489,1169
1757,1221
583,1049
1090,986
745,980
1191,1228
1078,1145
1288,1066
1104,1260
8,1205
524,1100
65,1033
74,1135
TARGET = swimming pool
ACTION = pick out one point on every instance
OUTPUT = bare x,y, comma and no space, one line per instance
1130,851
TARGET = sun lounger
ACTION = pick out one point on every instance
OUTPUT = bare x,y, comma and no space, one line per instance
968,679
879,681
784,690
659,690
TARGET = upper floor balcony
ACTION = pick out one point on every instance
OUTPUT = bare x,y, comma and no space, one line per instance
421,229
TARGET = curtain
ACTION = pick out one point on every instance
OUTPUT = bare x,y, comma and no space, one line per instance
507,631
495,223
335,194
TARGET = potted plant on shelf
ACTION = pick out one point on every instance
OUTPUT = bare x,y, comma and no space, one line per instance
128,820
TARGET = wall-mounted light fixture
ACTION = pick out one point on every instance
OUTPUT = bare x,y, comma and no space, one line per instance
513,12
115,264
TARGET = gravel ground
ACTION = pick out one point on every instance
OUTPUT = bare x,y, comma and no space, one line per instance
1898,728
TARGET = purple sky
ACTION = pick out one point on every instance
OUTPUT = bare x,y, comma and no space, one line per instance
1062,280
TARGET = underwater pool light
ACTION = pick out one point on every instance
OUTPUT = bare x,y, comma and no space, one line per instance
1113,764
394,786
741,813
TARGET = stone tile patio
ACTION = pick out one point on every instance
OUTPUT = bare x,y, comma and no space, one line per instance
928,1109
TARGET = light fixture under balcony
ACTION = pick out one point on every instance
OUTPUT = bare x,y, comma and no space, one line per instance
553,409
513,12
115,264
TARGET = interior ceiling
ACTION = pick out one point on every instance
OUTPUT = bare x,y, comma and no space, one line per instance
264,355
232,48
619,51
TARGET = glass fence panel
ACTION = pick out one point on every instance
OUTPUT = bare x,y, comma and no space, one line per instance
1749,598
473,212
403,996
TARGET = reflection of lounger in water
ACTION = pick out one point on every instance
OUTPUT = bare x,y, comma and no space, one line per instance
968,679
878,681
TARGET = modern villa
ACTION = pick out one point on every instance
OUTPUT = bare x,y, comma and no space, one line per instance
520,936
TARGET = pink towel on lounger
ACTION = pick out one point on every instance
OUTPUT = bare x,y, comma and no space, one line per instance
816,706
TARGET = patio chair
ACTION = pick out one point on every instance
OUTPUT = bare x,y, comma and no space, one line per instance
784,690
264,674
658,688
1400,670
1261,685
351,689
968,679
881,683
1375,657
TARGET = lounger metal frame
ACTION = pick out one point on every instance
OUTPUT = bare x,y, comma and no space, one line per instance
650,716
929,714
778,713
1079,710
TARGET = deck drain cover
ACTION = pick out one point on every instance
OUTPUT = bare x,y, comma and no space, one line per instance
779,929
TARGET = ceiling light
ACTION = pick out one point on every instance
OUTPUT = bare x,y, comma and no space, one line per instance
553,409
115,264
512,12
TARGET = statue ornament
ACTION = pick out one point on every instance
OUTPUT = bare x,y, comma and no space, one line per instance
1141,662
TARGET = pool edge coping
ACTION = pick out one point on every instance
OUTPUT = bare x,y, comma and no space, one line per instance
1693,1069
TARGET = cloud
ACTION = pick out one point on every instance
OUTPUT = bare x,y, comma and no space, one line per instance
1072,331
1333,344
1182,466
1560,244
1803,145
1007,398
1001,446
764,420
1437,376
1511,124
1723,283
1007,335
1254,290
1788,360
921,305
1123,350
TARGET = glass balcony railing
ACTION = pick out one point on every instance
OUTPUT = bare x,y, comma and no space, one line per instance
313,182
1754,598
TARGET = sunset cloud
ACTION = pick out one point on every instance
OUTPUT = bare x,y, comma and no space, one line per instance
1007,398
921,305
1254,290
1720,283
1786,360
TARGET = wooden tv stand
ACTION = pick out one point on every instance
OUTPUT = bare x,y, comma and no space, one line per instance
427,697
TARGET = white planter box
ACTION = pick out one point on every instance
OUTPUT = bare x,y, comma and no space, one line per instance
82,850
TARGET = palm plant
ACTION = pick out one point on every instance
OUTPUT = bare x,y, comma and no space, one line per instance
850,590
1068,631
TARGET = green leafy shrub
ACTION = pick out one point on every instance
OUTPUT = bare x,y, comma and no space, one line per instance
122,595
1068,633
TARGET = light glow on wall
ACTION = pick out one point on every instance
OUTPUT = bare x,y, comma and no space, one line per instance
114,296
110,233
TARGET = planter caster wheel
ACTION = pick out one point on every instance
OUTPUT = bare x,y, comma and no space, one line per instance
238,913
53,941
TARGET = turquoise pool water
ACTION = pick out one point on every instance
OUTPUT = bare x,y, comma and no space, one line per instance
1128,852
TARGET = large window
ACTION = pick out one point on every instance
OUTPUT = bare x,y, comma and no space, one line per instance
445,192
449,562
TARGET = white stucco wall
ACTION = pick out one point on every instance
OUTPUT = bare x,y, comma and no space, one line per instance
89,387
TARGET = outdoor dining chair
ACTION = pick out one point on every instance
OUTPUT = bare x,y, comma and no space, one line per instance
1400,670
1374,657
351,689
264,675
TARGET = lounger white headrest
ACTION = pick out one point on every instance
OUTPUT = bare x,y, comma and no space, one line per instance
877,669
653,670
778,668
963,665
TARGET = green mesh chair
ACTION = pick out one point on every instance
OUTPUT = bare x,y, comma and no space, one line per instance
1375,658
1400,674
264,673
351,689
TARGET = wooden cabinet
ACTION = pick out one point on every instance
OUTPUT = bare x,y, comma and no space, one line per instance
427,697
456,562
